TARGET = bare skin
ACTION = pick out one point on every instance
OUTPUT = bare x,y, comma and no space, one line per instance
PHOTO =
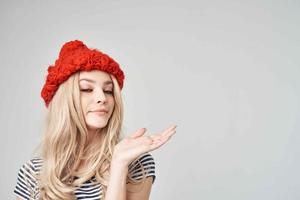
125,152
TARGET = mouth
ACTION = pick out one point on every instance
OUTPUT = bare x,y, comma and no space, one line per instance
100,113
100,110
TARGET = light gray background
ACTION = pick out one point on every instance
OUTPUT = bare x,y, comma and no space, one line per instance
226,72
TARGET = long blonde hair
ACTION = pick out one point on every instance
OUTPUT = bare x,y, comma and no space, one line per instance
64,144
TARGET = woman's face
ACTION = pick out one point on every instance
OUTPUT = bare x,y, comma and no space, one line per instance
96,93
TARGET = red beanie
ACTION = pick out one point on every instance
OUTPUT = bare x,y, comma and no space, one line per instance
76,56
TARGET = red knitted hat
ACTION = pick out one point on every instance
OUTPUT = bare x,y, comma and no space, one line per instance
76,56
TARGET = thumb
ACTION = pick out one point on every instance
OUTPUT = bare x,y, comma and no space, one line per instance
138,133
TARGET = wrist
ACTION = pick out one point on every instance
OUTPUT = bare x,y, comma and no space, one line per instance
119,164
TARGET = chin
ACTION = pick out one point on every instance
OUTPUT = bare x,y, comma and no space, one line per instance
96,124
92,127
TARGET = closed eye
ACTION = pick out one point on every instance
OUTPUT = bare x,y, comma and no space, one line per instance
109,92
86,90
89,90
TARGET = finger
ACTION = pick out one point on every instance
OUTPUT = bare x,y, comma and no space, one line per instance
170,128
138,133
159,141
166,134
168,131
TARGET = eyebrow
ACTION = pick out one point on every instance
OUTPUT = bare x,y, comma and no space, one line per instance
92,81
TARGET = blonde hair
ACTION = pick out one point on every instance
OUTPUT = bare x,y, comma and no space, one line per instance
64,144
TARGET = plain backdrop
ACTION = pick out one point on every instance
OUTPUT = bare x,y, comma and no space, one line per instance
226,72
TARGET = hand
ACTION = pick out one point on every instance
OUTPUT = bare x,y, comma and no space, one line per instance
128,149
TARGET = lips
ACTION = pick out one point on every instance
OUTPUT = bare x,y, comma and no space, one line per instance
100,111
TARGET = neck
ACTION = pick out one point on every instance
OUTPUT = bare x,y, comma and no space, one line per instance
93,135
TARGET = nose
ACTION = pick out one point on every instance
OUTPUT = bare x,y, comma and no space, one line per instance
100,96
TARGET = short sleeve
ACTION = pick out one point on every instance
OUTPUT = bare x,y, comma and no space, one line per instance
148,164
26,181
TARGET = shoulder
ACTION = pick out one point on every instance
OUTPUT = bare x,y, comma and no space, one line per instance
143,158
31,166
27,178
37,163
145,163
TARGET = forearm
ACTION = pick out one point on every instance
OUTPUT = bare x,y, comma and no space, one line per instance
116,189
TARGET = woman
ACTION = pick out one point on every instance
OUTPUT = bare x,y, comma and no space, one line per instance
82,153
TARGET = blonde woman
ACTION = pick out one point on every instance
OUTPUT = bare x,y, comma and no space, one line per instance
83,155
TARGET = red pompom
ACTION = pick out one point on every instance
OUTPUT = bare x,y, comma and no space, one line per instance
70,47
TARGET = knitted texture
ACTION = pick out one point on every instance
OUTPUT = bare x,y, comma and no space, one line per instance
76,56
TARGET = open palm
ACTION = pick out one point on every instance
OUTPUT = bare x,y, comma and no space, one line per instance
138,143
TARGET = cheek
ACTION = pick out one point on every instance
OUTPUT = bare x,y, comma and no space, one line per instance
113,103
84,105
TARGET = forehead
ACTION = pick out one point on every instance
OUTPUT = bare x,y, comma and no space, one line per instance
95,76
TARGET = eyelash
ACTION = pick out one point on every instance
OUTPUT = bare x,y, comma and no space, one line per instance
86,90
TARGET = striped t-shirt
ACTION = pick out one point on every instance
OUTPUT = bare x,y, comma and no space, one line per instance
27,186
